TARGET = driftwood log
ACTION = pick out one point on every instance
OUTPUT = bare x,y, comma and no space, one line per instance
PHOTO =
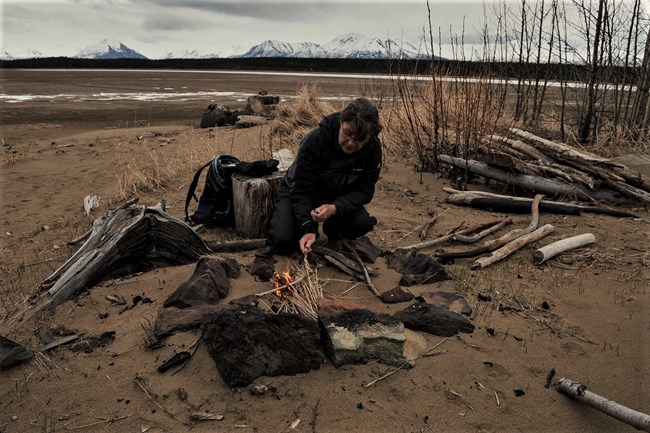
636,419
509,204
513,246
122,241
533,183
495,244
551,250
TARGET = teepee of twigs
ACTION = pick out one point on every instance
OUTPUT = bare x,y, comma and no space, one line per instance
300,292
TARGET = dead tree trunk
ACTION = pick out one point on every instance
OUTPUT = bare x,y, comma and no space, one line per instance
123,241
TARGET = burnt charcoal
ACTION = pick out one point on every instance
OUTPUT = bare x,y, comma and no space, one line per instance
249,344
368,252
396,295
207,285
423,269
170,320
434,320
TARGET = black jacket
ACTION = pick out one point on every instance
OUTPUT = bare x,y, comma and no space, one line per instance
323,173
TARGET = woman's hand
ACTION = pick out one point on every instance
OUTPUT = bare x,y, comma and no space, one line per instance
323,212
306,242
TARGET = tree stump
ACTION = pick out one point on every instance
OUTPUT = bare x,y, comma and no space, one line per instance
254,202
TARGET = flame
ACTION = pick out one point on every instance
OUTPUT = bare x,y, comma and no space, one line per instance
282,282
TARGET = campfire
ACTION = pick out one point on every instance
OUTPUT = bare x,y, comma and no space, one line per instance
296,290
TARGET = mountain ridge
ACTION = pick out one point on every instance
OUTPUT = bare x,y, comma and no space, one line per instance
347,46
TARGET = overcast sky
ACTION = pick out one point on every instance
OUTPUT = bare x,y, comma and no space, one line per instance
157,27
224,27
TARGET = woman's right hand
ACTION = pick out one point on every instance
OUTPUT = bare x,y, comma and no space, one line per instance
306,242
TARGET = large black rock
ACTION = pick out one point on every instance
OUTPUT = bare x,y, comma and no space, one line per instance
248,343
434,320
208,284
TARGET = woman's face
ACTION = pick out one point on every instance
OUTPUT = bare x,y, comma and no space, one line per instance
348,140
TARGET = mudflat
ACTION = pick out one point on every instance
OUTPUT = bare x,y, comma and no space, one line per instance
583,315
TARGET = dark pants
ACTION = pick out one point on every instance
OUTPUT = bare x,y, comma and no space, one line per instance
284,232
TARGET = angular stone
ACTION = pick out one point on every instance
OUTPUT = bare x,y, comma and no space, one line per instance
249,343
423,269
170,320
451,301
415,346
12,353
358,336
396,295
207,285
328,307
434,320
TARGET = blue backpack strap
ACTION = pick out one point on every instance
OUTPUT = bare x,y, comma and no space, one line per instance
192,189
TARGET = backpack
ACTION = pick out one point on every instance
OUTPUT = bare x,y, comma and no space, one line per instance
215,205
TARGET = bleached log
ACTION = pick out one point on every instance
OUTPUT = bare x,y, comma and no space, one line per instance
510,204
563,149
254,202
533,183
551,250
636,419
133,236
525,148
513,246
448,236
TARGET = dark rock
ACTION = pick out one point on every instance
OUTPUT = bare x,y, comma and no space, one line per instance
358,336
396,295
207,285
251,343
519,392
170,320
450,301
434,320
232,118
399,258
265,99
423,269
264,264
232,267
215,115
328,307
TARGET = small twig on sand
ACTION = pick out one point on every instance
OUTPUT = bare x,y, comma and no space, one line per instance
372,287
101,421
390,373
137,381
497,397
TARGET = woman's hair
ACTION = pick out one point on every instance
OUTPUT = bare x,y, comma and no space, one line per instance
364,116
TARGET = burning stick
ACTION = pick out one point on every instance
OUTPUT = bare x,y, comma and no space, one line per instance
298,290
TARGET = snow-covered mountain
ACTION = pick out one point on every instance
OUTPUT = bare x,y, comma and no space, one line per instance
192,54
24,54
4,55
349,46
108,49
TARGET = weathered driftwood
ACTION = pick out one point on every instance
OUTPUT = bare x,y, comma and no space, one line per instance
510,204
366,276
254,202
541,165
349,263
495,244
526,181
636,419
491,228
236,245
551,250
513,246
619,177
524,148
448,236
137,236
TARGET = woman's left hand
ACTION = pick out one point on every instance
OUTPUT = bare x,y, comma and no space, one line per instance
323,212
